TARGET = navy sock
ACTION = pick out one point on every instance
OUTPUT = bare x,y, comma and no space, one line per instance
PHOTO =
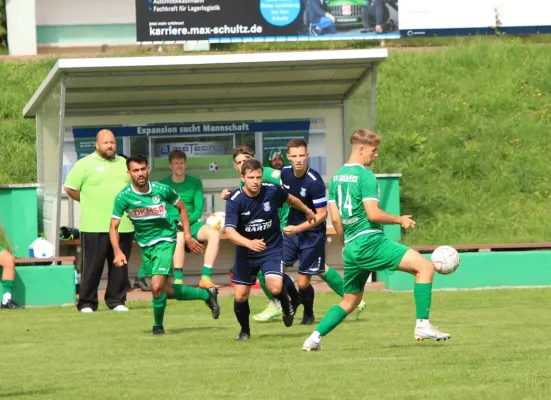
289,286
307,299
242,312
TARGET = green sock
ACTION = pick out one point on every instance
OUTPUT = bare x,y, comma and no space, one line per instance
262,282
159,306
179,274
183,292
207,270
331,319
422,292
334,280
8,285
142,273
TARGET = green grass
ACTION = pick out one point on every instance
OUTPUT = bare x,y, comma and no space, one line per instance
499,350
467,125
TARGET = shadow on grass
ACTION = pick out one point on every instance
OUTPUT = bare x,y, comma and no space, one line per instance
178,331
25,393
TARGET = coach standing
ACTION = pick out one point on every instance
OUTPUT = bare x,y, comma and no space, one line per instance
94,181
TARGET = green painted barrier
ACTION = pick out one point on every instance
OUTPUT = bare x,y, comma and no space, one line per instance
19,216
485,270
39,286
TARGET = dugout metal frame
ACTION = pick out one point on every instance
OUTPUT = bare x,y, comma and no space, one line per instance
130,90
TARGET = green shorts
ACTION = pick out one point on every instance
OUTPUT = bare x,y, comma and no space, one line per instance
157,259
194,228
368,253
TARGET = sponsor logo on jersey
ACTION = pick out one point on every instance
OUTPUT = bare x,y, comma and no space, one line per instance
148,212
258,225
267,206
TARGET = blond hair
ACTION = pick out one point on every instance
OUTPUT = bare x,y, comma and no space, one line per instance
365,136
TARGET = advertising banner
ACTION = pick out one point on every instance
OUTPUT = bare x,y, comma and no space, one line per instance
420,18
228,21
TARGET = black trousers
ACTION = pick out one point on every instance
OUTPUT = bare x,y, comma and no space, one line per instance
96,249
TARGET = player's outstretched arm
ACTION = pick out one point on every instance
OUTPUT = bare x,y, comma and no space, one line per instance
120,258
193,244
240,240
336,219
375,214
299,205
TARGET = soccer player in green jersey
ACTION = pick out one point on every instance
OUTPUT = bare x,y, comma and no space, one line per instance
357,218
190,190
7,262
273,176
145,203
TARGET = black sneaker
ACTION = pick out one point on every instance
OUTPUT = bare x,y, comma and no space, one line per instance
212,302
11,305
243,336
296,303
158,330
142,284
288,315
308,319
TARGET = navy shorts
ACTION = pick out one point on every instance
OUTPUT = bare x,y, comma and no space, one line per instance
245,269
309,251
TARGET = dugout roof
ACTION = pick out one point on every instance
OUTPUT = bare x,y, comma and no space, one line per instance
107,86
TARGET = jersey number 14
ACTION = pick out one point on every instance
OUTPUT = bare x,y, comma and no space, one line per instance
347,201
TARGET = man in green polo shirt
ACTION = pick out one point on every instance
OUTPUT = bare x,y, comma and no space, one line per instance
190,190
95,181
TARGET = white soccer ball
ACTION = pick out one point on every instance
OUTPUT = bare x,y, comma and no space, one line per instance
217,220
213,167
445,260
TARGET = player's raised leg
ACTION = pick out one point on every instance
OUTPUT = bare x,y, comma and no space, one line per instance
141,279
423,270
207,234
7,262
336,282
273,309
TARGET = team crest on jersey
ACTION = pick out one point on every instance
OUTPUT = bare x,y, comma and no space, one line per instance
267,206
303,192
156,199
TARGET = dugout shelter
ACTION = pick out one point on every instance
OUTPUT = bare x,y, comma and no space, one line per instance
204,105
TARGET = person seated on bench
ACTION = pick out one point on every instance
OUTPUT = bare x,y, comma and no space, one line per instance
7,262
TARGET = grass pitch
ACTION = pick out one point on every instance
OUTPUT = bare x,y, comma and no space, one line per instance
500,349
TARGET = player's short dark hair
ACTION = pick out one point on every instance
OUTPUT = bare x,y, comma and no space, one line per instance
242,150
297,143
139,159
251,165
176,154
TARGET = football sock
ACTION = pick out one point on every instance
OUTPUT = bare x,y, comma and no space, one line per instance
242,312
283,298
206,271
307,299
289,286
159,306
422,293
142,273
183,292
330,320
179,276
334,280
8,286
262,282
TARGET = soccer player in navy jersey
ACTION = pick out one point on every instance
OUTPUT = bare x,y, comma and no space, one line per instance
304,241
252,223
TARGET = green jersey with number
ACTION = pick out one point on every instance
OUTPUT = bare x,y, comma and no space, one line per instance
148,212
351,185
